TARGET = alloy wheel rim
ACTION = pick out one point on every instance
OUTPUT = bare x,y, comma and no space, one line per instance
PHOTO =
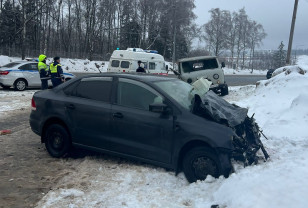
21,85
57,141
203,166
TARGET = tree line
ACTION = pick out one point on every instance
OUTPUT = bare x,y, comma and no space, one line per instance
94,28
234,32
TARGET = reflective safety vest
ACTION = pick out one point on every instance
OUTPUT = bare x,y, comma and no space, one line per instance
54,68
42,65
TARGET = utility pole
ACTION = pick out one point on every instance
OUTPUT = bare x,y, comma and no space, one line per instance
174,35
292,32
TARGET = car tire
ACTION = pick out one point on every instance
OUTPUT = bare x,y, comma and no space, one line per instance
57,141
20,84
224,90
200,162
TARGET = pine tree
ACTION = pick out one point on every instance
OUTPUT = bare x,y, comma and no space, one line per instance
280,56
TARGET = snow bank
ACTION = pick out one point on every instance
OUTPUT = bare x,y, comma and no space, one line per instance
5,60
69,65
281,110
280,107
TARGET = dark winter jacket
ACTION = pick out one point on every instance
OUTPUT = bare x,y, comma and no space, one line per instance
140,69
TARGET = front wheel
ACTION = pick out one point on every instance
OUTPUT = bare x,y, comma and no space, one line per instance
57,140
200,162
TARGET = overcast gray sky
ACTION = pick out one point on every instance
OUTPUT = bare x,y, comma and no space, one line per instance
274,15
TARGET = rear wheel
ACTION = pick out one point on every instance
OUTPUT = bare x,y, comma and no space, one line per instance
224,90
20,84
200,162
57,140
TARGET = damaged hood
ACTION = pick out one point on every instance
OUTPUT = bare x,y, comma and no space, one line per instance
220,111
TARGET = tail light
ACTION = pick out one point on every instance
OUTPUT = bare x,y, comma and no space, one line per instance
4,72
33,105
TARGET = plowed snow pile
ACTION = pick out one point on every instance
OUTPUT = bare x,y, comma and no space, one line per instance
280,107
68,65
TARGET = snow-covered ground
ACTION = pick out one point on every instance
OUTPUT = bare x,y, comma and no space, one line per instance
13,100
280,107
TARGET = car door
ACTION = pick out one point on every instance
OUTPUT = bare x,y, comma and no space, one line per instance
88,109
34,74
31,74
137,131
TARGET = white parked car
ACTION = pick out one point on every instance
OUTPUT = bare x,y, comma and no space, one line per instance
22,75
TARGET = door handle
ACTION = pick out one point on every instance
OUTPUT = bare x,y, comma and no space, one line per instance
118,115
70,106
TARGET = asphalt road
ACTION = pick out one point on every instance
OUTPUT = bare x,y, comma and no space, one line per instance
231,80
239,80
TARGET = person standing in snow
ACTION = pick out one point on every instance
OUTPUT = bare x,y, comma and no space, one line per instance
56,72
141,67
44,71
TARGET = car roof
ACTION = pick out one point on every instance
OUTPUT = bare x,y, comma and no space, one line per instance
135,76
197,58
22,62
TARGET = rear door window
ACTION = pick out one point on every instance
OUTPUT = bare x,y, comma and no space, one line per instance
152,65
95,88
25,67
33,67
125,64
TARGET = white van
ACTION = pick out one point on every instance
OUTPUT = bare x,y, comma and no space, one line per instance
208,67
127,61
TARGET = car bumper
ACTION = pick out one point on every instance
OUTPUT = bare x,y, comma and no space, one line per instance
6,81
35,124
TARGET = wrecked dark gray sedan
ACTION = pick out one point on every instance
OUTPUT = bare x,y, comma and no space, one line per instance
143,117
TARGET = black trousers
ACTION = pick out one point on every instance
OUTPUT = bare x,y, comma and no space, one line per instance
44,80
56,81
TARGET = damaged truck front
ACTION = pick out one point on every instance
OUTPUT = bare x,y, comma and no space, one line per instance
207,67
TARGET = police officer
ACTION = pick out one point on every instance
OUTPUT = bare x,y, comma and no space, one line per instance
56,72
44,71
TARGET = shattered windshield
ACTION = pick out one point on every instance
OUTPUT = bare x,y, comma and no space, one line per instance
180,91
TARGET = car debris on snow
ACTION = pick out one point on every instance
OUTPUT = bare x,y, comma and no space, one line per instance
4,132
246,139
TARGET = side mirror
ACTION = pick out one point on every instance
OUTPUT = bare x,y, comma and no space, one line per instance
166,67
223,64
158,108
